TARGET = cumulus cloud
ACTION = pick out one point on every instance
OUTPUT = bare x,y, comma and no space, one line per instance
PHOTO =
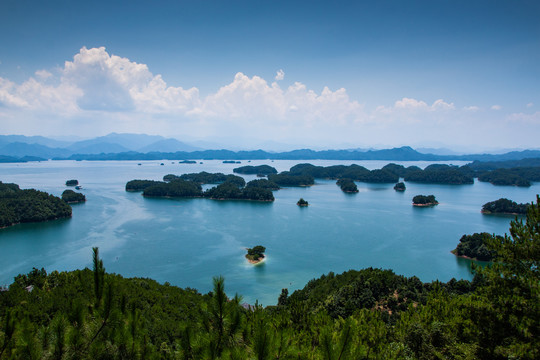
97,92
496,107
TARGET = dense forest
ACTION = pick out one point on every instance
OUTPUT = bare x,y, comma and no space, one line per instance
504,206
72,197
231,188
286,178
261,169
347,185
424,200
366,314
22,206
474,246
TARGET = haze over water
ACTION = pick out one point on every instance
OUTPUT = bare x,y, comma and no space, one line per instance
187,242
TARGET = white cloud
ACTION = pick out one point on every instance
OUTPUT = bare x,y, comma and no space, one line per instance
43,74
530,105
96,93
496,107
533,118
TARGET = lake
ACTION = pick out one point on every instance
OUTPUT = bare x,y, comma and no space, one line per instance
186,242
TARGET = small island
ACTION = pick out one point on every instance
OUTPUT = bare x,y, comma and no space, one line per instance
72,197
72,182
473,246
399,186
255,255
347,186
29,205
302,202
504,206
423,200
261,169
187,162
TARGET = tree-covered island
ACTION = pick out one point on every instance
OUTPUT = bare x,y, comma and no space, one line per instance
252,170
399,186
72,197
302,202
255,255
423,200
24,206
347,185
231,187
504,206
474,246
72,182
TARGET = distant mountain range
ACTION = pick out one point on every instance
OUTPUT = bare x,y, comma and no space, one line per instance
17,148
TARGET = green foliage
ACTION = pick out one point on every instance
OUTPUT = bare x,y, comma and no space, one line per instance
177,188
504,206
347,185
474,246
261,169
231,191
353,172
367,314
399,186
263,184
71,196
256,252
424,200
140,185
302,202
440,174
507,177
72,182
286,178
22,206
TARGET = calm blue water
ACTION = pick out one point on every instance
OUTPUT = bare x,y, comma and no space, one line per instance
187,242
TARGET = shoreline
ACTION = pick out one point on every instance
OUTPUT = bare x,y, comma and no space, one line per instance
256,262
425,205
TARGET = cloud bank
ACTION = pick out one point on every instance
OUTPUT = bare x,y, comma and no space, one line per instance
97,93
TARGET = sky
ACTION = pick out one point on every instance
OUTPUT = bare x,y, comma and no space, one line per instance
463,75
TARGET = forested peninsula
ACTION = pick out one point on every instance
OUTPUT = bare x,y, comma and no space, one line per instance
366,314
24,206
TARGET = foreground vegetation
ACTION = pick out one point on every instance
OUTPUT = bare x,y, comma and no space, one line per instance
367,314
23,206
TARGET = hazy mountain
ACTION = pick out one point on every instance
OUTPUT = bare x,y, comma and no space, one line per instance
40,140
97,148
20,149
167,145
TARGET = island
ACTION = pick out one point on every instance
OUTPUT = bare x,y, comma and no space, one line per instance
423,200
187,162
72,197
302,203
399,186
287,178
474,246
24,206
231,162
255,255
512,177
353,172
441,174
72,182
347,185
504,206
259,170
232,187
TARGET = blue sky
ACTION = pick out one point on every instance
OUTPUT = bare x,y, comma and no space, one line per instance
459,74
